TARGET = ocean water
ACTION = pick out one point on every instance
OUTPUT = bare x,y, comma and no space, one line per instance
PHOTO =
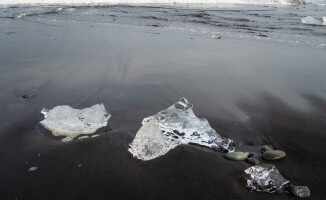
163,1
275,20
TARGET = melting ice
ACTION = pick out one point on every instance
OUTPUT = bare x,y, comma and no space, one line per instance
174,126
69,122
266,178
312,21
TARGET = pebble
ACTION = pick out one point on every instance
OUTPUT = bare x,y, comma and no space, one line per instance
266,148
274,155
299,191
253,160
236,155
24,96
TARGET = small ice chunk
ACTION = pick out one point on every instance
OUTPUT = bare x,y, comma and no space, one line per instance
69,122
67,139
32,169
83,137
44,111
266,178
96,135
312,21
174,126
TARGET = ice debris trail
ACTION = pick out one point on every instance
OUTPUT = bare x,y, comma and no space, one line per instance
70,122
266,178
174,126
312,21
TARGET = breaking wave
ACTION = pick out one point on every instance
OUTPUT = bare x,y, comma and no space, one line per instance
279,2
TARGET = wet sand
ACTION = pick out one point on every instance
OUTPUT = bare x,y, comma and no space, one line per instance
254,92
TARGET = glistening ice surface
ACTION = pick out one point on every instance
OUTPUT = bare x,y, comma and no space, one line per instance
69,122
266,178
174,126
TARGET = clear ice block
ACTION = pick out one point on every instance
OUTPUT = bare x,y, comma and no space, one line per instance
174,126
266,178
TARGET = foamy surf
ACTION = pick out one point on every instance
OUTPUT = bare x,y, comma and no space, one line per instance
260,2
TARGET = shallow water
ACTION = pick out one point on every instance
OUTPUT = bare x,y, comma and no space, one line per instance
280,23
254,91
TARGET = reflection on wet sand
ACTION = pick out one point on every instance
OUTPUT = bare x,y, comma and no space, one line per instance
253,92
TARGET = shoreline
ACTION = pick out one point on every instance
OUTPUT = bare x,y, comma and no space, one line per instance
254,92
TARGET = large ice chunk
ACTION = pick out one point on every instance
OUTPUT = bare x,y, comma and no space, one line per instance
174,126
312,21
69,122
266,178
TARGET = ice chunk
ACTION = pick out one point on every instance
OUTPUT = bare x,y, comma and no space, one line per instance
83,137
266,178
69,122
32,169
174,126
312,21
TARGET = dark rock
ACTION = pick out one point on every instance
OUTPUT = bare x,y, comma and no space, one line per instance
236,155
266,148
24,96
253,155
274,155
253,160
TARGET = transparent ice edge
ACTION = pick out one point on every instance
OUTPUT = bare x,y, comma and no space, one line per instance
70,122
174,126
265,178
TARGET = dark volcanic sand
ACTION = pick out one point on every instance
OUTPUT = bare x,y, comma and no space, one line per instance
254,92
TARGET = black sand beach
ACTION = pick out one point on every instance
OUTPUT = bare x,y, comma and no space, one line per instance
253,91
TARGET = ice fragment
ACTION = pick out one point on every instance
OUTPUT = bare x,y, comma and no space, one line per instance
32,169
174,126
312,21
83,137
266,178
69,122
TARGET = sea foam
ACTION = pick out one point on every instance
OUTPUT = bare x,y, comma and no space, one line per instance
279,2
